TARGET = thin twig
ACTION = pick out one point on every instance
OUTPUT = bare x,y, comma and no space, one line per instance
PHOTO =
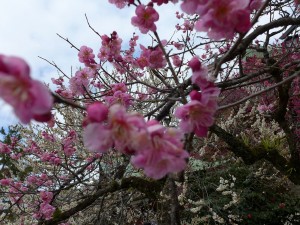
260,92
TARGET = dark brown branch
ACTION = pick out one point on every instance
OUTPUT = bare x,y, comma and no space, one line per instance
250,155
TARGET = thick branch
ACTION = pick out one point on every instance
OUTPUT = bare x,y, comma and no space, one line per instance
256,153
259,31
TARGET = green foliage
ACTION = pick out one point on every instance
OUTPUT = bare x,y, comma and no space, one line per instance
263,197
8,165
271,143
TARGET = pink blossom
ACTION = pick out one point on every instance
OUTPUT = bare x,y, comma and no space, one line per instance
86,56
96,113
263,108
50,157
59,81
164,154
160,2
29,98
119,97
44,176
49,137
186,26
200,72
119,3
152,57
32,180
46,210
145,18
68,147
255,4
4,149
122,130
97,135
79,83
128,129
178,46
16,156
119,87
111,48
220,18
197,115
46,196
5,182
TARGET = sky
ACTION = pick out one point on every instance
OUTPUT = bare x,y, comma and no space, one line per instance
29,29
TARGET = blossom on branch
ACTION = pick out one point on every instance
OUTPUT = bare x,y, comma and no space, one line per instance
164,154
220,18
145,18
151,57
156,149
198,115
86,56
120,3
29,98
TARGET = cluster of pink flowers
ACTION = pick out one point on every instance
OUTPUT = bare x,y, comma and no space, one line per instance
156,149
46,210
52,158
198,115
111,48
68,143
4,149
87,56
47,136
29,98
151,57
129,53
160,2
119,95
162,153
186,26
15,191
221,18
38,180
121,3
145,18
79,83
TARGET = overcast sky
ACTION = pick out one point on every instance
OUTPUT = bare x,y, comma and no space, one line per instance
28,29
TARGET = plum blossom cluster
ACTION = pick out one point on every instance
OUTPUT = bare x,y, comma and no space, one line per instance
46,210
111,48
121,3
154,148
152,57
79,83
160,2
86,56
145,18
198,115
68,143
118,94
29,98
221,18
